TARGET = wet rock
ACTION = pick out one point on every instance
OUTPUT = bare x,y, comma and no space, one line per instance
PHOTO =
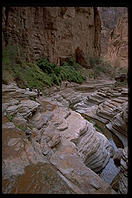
87,139
70,165
63,137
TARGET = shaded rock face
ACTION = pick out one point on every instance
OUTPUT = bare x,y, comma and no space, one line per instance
117,53
109,17
53,32
121,156
44,157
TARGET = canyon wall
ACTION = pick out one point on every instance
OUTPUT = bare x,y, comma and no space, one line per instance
53,32
109,18
117,53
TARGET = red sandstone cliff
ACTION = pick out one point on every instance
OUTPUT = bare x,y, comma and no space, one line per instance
53,32
117,53
109,18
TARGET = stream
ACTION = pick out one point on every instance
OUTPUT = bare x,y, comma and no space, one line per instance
110,170
59,101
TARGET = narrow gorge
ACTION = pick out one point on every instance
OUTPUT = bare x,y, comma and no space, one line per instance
64,101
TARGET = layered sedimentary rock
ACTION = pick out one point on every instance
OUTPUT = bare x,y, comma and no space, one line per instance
121,156
107,105
94,149
123,176
40,153
120,121
117,53
53,32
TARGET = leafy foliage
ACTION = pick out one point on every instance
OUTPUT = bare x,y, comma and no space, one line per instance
37,75
65,72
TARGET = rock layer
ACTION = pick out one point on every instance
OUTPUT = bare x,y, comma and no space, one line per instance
109,106
48,154
122,157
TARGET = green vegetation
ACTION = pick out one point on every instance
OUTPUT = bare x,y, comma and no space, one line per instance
68,71
36,75
42,73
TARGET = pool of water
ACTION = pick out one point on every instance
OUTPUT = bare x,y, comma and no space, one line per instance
110,170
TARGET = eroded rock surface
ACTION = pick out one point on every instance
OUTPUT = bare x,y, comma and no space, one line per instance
104,103
49,154
121,156
109,106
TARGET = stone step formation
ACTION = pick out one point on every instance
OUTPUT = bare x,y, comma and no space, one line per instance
46,131
45,137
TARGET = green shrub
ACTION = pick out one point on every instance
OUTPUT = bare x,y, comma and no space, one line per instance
31,76
65,72
42,73
71,74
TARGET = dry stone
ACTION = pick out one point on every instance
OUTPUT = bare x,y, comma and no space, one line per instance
61,34
117,53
